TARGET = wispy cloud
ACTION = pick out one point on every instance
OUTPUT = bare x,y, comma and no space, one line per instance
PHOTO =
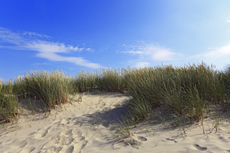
226,18
46,49
45,46
216,53
219,52
141,64
155,52
44,63
76,60
219,56
7,36
134,52
148,53
34,34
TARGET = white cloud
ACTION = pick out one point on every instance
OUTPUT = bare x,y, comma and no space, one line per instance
45,46
218,56
76,60
217,53
155,52
226,18
134,52
141,64
163,55
34,34
149,53
7,36
46,49
89,49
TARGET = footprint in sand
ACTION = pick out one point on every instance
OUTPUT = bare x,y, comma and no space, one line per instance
41,133
198,147
65,140
23,144
68,132
63,122
52,148
67,149
84,144
62,138
17,145
142,138
77,147
169,140
223,139
132,142
27,150
119,145
52,145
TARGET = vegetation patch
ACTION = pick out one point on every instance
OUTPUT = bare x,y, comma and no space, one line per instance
183,94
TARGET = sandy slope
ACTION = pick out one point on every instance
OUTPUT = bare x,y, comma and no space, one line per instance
86,127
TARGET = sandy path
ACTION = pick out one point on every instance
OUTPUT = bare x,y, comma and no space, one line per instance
85,127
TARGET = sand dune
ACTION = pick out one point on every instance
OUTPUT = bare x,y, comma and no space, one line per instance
88,126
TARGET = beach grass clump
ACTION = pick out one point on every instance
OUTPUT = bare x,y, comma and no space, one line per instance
85,81
19,86
186,91
104,80
8,102
50,87
112,80
6,88
226,80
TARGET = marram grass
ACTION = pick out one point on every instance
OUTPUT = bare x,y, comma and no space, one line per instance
8,102
105,79
185,92
50,87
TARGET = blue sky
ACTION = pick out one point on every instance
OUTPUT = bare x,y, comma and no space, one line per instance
77,35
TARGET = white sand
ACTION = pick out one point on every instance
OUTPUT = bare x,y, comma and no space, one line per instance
85,127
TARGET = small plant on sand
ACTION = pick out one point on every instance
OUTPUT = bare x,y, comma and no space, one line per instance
123,133
79,98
